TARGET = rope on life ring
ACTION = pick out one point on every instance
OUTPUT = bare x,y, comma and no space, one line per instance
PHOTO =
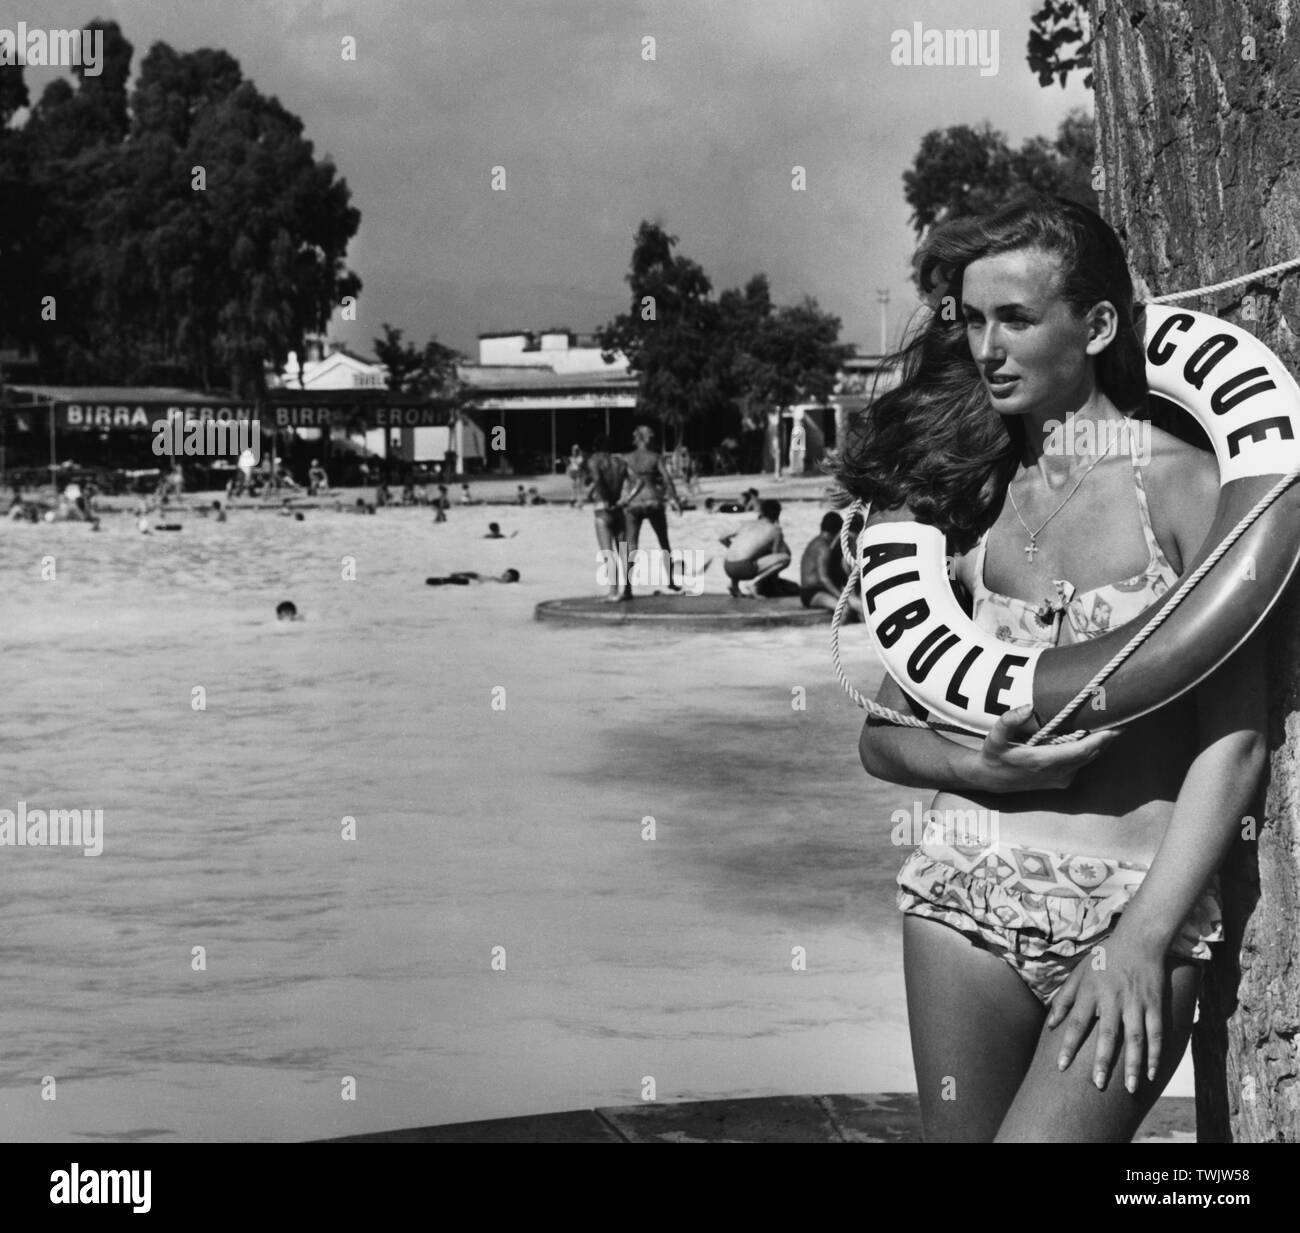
1175,296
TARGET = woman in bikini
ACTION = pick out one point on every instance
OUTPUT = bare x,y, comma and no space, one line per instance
1052,960
644,501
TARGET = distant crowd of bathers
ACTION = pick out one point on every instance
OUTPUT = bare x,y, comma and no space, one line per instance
627,490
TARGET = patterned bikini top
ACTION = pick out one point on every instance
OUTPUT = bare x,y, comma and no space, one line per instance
1089,613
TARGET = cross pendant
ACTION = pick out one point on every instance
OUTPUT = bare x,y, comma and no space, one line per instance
1029,550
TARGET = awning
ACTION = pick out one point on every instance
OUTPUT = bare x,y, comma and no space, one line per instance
139,409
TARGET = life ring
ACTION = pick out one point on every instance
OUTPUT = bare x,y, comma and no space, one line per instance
1249,405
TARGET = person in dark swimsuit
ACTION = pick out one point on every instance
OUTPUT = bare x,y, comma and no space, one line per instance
609,475
821,570
645,502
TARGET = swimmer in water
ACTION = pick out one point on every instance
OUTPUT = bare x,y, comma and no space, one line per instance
462,578
287,610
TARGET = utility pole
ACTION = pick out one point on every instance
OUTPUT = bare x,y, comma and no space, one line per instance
882,298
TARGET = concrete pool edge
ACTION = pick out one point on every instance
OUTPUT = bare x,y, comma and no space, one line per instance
886,1117
695,612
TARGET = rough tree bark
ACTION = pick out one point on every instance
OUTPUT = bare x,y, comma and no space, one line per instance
1198,125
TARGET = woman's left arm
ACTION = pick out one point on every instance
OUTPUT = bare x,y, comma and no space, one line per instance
1216,794
1125,992
1231,715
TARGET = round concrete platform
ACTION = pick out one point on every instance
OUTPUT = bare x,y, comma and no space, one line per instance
683,611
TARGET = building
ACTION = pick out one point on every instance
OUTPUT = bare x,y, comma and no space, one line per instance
535,395
551,389
531,396
798,437
331,366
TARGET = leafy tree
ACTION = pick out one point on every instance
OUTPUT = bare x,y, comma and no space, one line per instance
1060,41
431,371
17,212
71,146
963,170
957,171
151,272
742,316
668,333
737,354
776,356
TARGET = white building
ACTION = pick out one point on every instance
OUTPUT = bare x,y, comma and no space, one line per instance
562,351
337,369
331,366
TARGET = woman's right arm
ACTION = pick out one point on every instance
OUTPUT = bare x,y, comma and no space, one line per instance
922,758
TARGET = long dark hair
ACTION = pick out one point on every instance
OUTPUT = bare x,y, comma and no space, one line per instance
934,442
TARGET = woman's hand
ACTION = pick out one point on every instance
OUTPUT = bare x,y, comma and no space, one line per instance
1005,764
1120,985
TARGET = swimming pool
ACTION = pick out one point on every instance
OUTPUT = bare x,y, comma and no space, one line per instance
325,958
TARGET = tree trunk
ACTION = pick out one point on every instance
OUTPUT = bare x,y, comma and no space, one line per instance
1198,126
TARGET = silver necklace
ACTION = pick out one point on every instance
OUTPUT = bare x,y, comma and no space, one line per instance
1032,547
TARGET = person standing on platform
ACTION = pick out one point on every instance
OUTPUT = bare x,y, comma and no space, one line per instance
652,485
608,477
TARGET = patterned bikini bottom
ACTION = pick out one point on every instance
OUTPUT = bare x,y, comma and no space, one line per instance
1041,912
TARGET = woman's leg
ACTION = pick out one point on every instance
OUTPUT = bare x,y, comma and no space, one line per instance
974,1026
1055,1106
632,517
606,521
658,519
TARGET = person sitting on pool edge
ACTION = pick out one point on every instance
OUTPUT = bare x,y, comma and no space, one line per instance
748,501
821,570
463,577
757,554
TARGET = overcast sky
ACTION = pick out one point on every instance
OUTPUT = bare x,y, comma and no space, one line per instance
594,138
